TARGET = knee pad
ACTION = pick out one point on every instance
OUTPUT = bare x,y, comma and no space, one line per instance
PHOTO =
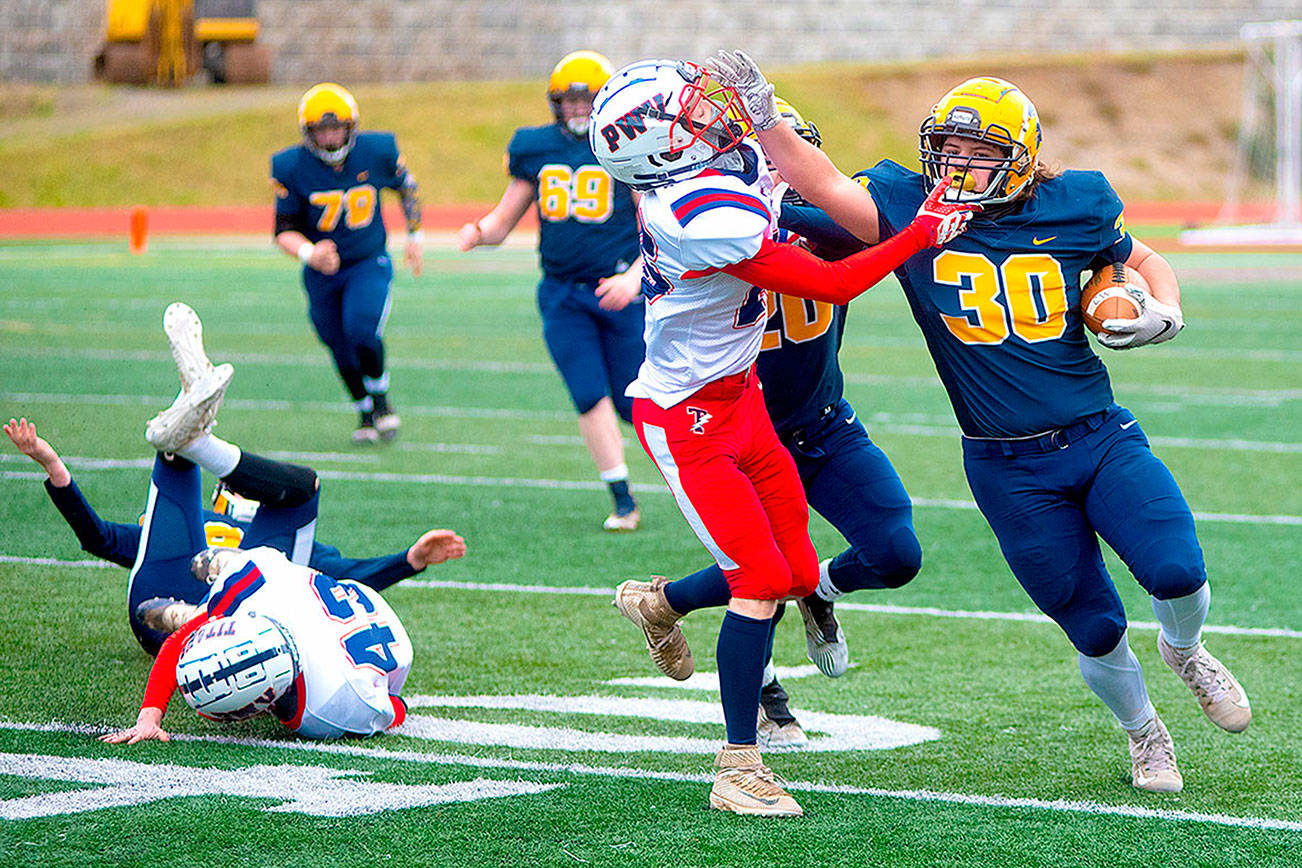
903,558
1092,633
1176,576
770,582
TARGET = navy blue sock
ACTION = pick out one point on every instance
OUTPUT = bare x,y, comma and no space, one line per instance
740,656
777,616
624,502
701,590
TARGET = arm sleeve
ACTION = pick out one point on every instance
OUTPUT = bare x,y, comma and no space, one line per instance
104,539
831,240
789,270
162,676
378,573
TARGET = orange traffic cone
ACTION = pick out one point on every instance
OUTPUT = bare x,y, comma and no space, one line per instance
138,238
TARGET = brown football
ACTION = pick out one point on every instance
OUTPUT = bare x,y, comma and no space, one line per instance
1105,297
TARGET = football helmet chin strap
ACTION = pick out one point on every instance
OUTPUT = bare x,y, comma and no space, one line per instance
1157,323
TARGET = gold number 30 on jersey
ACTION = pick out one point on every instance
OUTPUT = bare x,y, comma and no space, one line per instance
1026,296
587,193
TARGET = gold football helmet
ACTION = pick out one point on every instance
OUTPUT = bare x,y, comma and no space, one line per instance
988,110
580,73
806,129
328,105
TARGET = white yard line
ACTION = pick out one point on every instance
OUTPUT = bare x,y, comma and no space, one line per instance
480,762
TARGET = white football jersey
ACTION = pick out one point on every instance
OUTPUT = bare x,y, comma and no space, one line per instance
353,653
701,324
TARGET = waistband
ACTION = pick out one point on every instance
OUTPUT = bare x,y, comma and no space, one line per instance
799,435
1049,441
733,384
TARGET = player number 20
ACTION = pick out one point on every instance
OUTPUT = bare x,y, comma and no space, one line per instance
355,205
585,193
1025,296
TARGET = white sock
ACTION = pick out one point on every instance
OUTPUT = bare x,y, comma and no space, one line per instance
212,454
364,405
376,385
1182,618
615,474
769,675
826,590
1118,680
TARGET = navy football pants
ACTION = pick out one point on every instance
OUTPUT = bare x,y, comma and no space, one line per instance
1050,499
173,534
850,482
348,309
597,352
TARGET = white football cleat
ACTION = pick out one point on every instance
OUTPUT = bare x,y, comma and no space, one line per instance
744,785
1152,759
1219,693
622,523
387,425
824,639
185,336
192,414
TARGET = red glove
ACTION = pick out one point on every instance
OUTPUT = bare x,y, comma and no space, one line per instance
939,222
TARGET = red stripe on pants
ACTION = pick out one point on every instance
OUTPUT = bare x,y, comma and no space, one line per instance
718,452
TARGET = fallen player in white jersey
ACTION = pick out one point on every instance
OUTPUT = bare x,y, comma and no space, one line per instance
325,658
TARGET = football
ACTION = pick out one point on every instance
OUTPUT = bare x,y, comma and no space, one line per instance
1105,297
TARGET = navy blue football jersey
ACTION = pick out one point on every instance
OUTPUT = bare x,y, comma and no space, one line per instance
340,203
588,223
798,356
999,306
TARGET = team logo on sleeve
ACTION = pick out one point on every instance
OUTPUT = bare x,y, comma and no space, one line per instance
701,416
1120,226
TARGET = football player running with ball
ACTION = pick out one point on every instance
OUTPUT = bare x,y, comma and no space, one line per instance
589,296
708,218
1053,463
328,217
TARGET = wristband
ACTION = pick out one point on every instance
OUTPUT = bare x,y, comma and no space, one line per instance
305,251
417,236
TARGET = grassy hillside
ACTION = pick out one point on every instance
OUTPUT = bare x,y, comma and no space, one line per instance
1161,127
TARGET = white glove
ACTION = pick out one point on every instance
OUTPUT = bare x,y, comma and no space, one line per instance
736,70
1157,322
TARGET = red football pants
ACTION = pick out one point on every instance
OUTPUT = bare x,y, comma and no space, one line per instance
736,485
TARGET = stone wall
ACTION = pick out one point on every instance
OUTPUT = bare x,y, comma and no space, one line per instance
405,40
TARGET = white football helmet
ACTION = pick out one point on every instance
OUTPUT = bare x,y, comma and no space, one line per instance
659,121
236,667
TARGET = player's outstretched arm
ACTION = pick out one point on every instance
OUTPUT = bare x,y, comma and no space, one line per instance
791,270
493,227
24,436
159,689
805,167
435,547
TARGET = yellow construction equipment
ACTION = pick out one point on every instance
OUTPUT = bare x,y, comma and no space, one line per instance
166,41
